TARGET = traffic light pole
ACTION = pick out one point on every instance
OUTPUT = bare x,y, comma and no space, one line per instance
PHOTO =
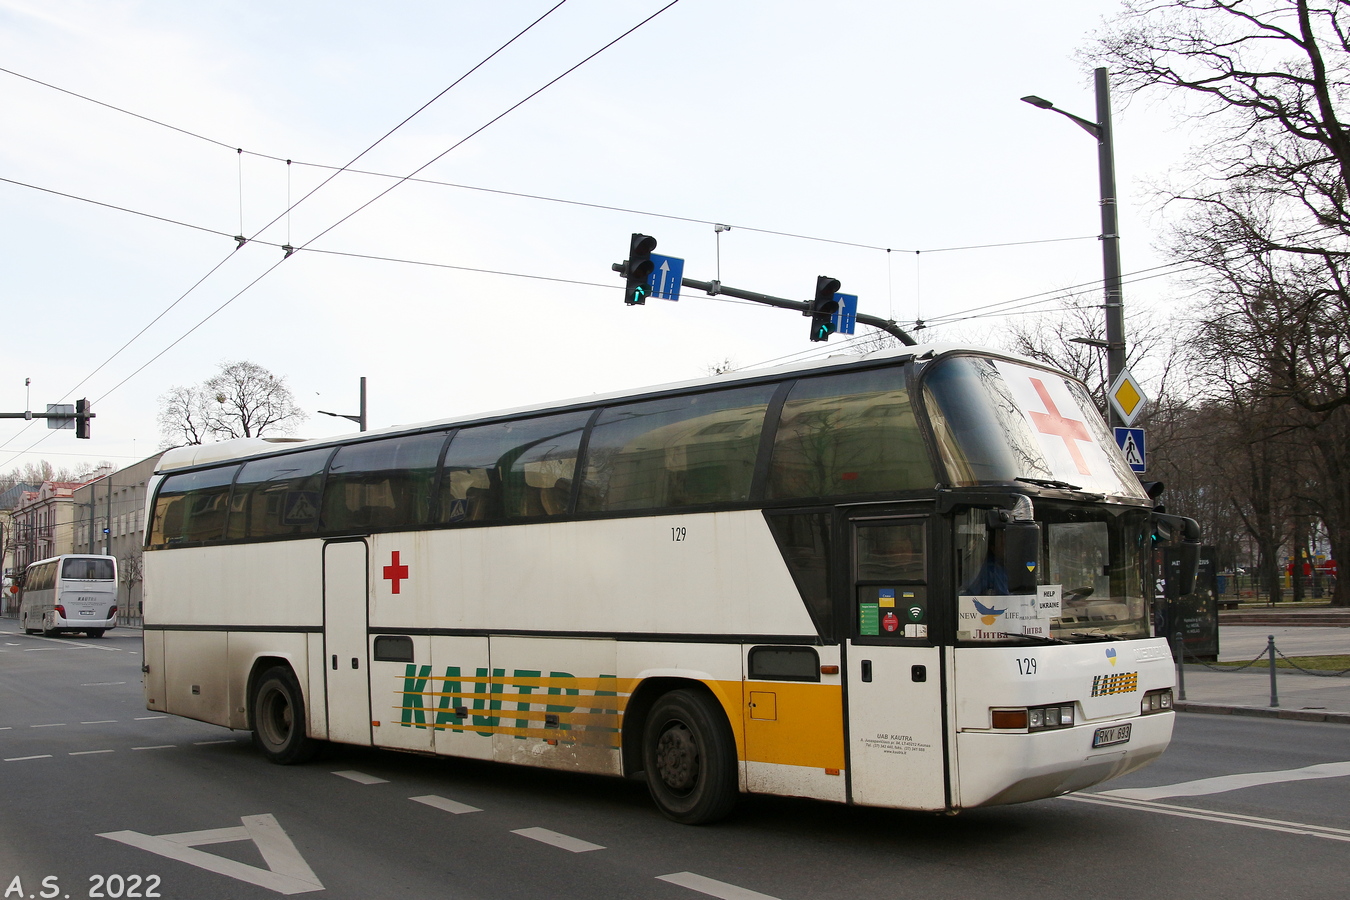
79,417
715,288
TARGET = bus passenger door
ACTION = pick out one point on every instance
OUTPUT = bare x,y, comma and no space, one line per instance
894,669
347,681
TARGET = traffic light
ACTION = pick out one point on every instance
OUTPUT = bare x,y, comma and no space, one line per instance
823,308
637,269
82,417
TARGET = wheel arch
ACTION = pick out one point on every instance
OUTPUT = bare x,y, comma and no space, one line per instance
262,664
644,697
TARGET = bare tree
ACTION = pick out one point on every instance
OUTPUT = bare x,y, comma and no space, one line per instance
243,399
1052,337
1266,202
183,417
1266,221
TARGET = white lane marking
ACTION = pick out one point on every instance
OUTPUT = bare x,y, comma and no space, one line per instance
22,758
362,777
286,872
157,747
1187,812
49,725
7,728
148,718
1222,783
100,722
87,752
209,743
561,841
712,887
450,806
101,683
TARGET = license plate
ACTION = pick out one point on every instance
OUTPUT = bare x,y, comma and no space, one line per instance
86,612
1111,734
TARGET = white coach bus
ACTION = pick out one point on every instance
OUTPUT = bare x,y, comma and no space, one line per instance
915,579
69,593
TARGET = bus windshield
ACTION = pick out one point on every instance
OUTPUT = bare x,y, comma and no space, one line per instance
87,569
1091,577
1000,421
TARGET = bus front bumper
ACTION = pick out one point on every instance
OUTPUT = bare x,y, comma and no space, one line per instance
1053,762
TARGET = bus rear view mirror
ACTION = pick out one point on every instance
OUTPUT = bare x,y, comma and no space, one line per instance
1182,535
1021,556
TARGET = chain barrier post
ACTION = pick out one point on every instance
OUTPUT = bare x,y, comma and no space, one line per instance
1270,646
1179,650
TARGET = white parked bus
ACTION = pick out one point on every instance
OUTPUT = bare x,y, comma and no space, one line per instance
915,579
68,593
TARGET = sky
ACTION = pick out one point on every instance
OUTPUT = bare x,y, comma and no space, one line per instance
853,139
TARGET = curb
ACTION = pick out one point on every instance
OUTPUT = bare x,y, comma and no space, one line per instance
1263,712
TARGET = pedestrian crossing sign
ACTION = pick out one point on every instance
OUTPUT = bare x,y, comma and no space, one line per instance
1131,443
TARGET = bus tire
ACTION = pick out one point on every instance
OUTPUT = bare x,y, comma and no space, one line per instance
689,755
279,719
26,629
94,632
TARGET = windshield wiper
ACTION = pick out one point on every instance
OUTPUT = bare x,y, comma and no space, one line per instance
1032,638
1051,482
1097,635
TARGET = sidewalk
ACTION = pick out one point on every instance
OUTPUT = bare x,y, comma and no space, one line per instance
1300,696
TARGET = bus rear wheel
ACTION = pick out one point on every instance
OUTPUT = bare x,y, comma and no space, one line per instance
279,719
94,632
689,754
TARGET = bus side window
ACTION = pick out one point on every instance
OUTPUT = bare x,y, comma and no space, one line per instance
509,470
190,507
675,451
282,495
381,484
853,433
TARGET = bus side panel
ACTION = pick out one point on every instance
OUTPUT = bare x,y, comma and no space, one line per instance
152,646
558,703
316,704
244,648
276,583
794,735
705,573
195,675
403,695
461,683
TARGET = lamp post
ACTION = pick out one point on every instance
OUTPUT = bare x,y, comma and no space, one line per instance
360,419
1110,237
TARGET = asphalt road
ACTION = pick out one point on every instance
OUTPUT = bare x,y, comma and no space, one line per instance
102,798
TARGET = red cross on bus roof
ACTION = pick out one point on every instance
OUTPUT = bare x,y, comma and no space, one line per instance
1055,424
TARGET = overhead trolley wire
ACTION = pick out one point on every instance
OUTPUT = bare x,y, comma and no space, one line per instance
289,208
241,242
520,194
439,156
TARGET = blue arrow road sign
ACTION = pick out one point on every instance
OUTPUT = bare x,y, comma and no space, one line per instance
667,272
1131,443
846,316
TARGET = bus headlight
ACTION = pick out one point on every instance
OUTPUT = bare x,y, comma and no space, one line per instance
1033,718
1156,702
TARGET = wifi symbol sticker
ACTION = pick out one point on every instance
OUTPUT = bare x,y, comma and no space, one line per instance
915,613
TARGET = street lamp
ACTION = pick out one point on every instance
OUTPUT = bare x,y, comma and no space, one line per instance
1110,237
358,419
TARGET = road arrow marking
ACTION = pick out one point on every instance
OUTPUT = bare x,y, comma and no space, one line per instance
286,872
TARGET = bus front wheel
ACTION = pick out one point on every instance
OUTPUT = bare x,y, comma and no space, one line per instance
279,719
689,755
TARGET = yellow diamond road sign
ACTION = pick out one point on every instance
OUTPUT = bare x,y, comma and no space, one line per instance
1127,397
